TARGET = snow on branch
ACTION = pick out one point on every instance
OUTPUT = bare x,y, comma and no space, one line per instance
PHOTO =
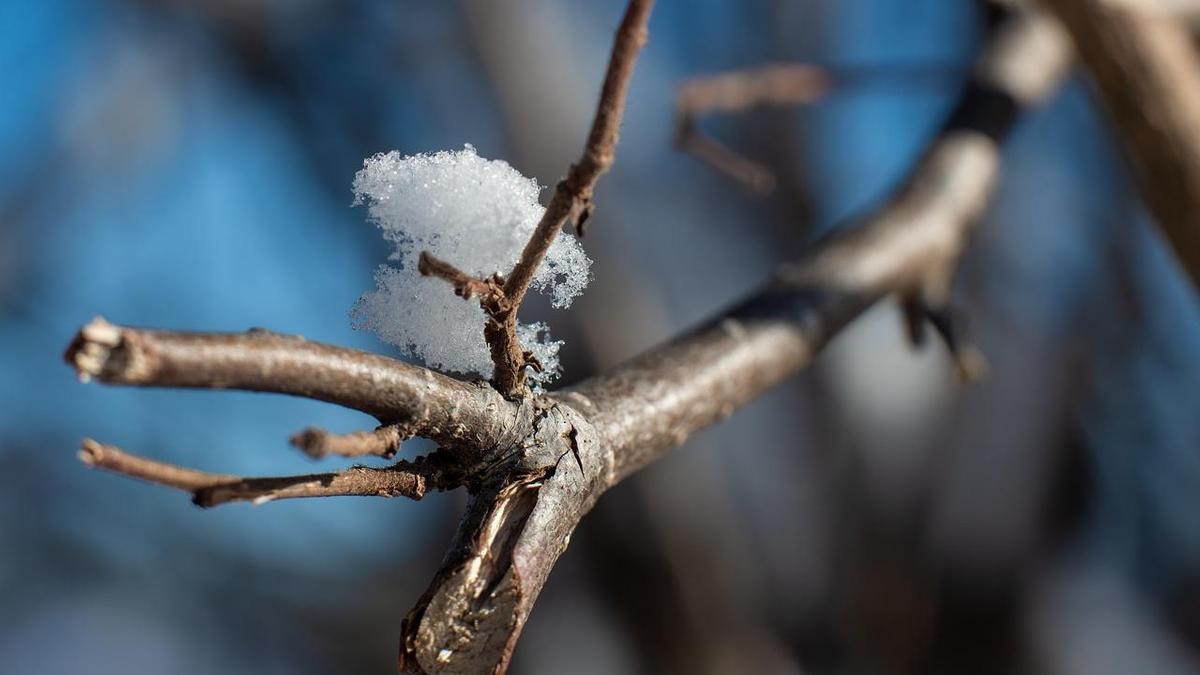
478,213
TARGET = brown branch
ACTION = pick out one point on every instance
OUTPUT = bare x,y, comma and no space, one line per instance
212,489
775,85
458,415
595,434
543,462
737,91
909,246
754,176
571,202
465,285
741,90
318,443
1147,76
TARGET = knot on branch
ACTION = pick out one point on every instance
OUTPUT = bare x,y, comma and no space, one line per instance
578,187
736,92
518,523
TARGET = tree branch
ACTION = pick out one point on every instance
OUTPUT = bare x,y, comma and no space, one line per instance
318,443
592,436
465,285
737,91
572,201
910,246
458,415
1147,76
776,85
740,90
404,479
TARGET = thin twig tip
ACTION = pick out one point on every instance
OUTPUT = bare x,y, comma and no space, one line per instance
90,452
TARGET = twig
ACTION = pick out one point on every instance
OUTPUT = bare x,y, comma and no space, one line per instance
212,489
910,245
572,201
1147,76
736,91
775,84
739,90
465,285
318,443
457,415
756,177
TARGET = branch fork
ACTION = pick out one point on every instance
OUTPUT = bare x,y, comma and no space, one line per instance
501,297
739,91
535,466
490,290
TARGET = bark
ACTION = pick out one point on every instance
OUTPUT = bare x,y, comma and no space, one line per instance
535,466
1147,78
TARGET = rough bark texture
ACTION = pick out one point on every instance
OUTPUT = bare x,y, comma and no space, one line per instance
211,489
1147,77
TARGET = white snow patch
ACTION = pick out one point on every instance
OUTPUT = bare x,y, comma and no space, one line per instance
476,214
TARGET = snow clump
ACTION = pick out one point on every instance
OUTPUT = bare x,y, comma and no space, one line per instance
475,214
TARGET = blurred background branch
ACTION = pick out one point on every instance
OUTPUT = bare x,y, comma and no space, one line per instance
1147,77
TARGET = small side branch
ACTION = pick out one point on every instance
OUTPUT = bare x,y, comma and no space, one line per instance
465,285
212,489
604,429
740,90
458,415
737,91
318,443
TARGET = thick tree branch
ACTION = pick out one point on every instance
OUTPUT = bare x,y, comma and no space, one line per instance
404,479
1147,77
458,415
